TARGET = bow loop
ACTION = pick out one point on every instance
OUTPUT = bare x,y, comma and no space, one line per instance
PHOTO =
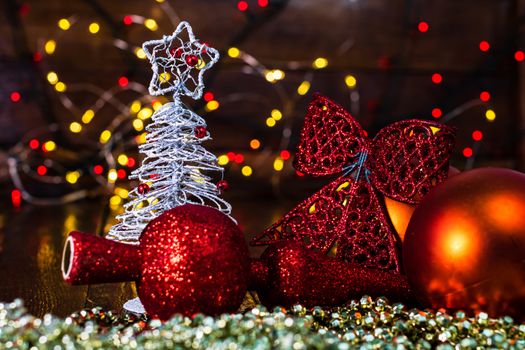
331,139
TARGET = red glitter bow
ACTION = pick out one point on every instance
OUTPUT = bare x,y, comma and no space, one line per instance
347,218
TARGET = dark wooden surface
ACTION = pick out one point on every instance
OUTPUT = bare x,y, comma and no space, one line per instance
31,243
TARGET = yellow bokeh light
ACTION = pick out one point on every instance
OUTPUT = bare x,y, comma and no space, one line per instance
112,176
255,144
276,114
278,164
303,88
122,159
94,28
490,115
50,146
141,139
270,122
50,47
138,124
350,81
145,113
52,78
105,136
140,53
278,74
246,170
268,75
88,116
156,105
320,63
135,107
234,52
212,105
72,176
223,159
64,24
75,127
164,77
115,200
151,24
60,87
121,192
160,1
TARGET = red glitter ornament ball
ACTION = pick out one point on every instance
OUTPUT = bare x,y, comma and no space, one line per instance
464,246
143,188
200,132
192,60
190,259
288,273
223,185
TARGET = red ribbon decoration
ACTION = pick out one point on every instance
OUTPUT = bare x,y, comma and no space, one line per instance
347,218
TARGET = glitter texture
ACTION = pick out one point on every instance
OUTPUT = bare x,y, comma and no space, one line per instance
347,218
362,324
189,259
289,274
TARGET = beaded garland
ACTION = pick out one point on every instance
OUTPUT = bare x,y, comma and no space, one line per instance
362,324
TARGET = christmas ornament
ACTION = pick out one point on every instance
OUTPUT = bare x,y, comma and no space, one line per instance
465,244
222,186
347,217
364,323
189,259
399,214
289,274
175,163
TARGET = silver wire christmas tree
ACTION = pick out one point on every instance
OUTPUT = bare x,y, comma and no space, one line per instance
173,171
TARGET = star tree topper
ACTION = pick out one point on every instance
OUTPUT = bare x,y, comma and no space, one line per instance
178,62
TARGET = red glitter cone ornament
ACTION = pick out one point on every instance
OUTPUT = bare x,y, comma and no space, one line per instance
189,259
288,273
347,217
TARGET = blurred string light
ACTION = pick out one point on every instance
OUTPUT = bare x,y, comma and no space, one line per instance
139,111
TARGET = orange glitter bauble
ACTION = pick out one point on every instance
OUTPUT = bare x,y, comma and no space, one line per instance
465,245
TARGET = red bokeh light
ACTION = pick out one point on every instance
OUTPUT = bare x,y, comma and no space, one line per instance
519,56
123,81
16,198
423,27
484,46
41,170
231,156
242,5
437,78
262,3
484,96
298,173
128,20
121,174
477,135
98,169
34,144
239,158
131,162
24,9
209,96
437,113
467,152
15,96
285,154
37,57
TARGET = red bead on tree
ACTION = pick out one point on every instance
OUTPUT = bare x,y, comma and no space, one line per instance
192,60
223,185
200,132
176,52
143,188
